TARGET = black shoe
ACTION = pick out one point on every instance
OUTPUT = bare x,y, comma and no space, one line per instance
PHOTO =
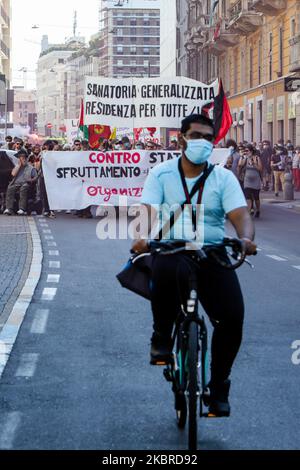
161,350
219,404
257,215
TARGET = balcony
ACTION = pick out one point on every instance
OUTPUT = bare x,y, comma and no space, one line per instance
224,36
243,19
269,7
295,53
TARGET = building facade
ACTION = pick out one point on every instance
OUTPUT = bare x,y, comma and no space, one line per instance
52,86
5,39
129,38
168,38
194,20
25,108
254,46
85,62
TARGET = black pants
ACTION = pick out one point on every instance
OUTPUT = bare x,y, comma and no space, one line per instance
44,195
220,295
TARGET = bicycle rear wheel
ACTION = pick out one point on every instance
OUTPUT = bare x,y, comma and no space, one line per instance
193,384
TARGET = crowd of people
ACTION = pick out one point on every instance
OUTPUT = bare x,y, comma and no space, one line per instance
263,167
23,190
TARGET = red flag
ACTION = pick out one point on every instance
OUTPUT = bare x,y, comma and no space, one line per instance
222,115
97,132
137,132
151,130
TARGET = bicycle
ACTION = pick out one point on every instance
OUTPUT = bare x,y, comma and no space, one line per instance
187,369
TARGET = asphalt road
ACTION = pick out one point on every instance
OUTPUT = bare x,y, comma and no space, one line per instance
79,375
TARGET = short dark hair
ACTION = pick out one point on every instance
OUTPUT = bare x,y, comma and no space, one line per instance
251,148
77,141
196,118
49,144
21,153
9,137
231,143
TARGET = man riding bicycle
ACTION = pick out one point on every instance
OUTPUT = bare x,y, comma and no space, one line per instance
218,289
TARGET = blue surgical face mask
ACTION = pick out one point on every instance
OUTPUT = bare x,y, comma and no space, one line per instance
198,150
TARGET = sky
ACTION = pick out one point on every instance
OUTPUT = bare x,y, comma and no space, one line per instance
54,18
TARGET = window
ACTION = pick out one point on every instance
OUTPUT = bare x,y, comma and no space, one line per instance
224,8
132,50
133,31
120,63
259,61
235,72
147,39
280,64
133,22
133,39
251,67
270,56
146,51
61,61
120,22
120,49
119,32
243,64
293,27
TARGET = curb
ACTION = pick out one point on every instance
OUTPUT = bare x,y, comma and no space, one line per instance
14,322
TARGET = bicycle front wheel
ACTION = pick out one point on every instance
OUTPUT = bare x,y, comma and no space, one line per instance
193,345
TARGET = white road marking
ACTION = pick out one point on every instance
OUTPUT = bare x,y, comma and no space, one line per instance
52,244
54,253
47,232
8,430
54,264
39,323
54,278
49,237
49,294
276,258
27,365
11,327
297,267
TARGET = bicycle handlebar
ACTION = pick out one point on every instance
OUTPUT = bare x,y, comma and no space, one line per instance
171,247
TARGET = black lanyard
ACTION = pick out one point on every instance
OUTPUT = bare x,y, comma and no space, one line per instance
199,186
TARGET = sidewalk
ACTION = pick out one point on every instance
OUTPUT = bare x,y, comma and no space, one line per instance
15,261
268,197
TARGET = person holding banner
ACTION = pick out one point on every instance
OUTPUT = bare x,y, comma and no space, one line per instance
171,183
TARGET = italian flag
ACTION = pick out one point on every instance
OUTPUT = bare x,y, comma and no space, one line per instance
83,131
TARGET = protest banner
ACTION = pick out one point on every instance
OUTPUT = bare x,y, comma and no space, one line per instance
144,102
76,180
71,130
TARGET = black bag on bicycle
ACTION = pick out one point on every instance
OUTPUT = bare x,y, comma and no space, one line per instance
137,274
